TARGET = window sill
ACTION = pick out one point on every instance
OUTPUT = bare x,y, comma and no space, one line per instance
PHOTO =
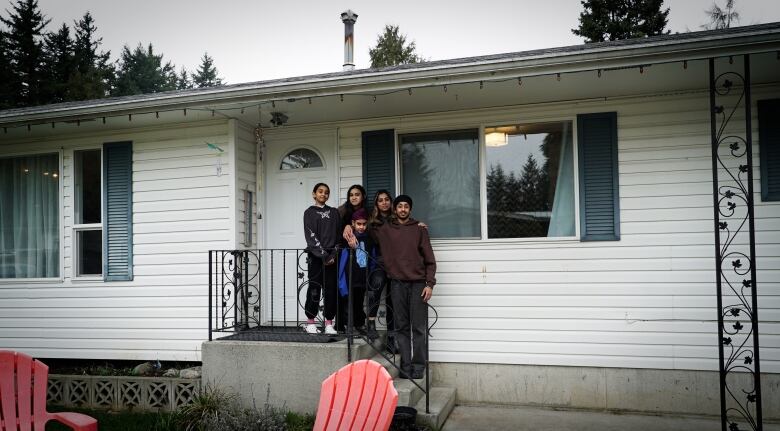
10,281
86,279
484,243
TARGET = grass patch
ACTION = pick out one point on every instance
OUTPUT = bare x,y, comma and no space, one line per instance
116,421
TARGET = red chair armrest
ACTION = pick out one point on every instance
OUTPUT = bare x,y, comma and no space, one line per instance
77,421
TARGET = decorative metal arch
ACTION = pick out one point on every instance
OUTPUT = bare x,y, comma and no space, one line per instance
735,248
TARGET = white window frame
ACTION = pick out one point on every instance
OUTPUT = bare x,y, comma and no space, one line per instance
82,227
482,151
60,198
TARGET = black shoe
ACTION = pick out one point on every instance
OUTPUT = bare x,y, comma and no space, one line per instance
418,374
404,374
371,330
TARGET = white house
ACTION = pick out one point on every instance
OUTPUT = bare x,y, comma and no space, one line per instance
599,294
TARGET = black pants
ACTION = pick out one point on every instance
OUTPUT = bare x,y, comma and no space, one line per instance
358,287
411,321
322,278
378,282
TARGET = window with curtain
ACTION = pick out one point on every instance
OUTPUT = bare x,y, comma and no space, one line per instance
440,171
530,180
30,216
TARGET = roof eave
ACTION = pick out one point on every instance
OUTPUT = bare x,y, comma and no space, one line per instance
439,73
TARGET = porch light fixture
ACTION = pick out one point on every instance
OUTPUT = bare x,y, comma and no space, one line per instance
278,119
496,139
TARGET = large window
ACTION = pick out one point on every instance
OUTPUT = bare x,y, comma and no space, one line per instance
441,173
530,181
88,227
529,178
29,216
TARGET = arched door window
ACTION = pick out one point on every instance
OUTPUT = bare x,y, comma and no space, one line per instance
301,158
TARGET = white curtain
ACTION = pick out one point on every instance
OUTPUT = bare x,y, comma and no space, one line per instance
29,216
562,218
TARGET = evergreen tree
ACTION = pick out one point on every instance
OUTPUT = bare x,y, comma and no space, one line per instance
721,18
60,65
529,186
93,74
142,71
183,80
604,20
391,49
206,75
24,48
7,98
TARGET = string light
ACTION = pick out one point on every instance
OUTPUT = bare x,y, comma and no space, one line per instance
374,97
129,117
52,124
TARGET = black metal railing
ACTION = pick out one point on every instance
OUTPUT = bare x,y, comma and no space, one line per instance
263,291
735,254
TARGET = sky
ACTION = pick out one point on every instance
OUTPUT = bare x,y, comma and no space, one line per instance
254,40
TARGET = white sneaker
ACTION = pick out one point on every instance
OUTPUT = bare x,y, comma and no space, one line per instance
311,328
330,330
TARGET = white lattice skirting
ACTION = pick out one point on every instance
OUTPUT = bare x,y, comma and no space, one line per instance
121,393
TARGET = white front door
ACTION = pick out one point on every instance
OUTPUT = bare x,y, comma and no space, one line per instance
294,164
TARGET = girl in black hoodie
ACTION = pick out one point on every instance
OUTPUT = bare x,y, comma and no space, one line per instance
322,229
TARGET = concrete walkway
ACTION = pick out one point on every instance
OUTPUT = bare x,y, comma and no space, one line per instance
496,418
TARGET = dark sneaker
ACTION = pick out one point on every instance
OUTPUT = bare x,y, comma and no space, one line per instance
418,374
371,330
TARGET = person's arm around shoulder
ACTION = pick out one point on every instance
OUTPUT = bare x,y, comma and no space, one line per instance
429,260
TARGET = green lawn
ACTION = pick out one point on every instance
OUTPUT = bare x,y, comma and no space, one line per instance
114,421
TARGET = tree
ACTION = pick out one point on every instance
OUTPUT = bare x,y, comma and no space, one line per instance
7,98
604,20
60,65
720,18
206,75
93,73
142,71
391,49
183,80
24,48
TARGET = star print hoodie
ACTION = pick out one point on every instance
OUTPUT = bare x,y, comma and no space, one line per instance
322,228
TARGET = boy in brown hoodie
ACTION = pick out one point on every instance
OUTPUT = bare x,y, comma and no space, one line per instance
411,266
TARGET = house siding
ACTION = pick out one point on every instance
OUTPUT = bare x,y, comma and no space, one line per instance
645,301
180,211
246,179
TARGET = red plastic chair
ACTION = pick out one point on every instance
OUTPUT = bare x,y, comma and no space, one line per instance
359,396
23,383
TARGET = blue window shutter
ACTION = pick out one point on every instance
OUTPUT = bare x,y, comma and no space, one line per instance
769,148
598,171
118,211
378,162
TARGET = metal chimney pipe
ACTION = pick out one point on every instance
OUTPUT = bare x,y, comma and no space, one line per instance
348,18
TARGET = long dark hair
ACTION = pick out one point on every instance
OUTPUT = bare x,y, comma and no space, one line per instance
348,208
375,214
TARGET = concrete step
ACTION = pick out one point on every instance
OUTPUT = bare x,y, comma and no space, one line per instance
393,371
442,401
408,393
